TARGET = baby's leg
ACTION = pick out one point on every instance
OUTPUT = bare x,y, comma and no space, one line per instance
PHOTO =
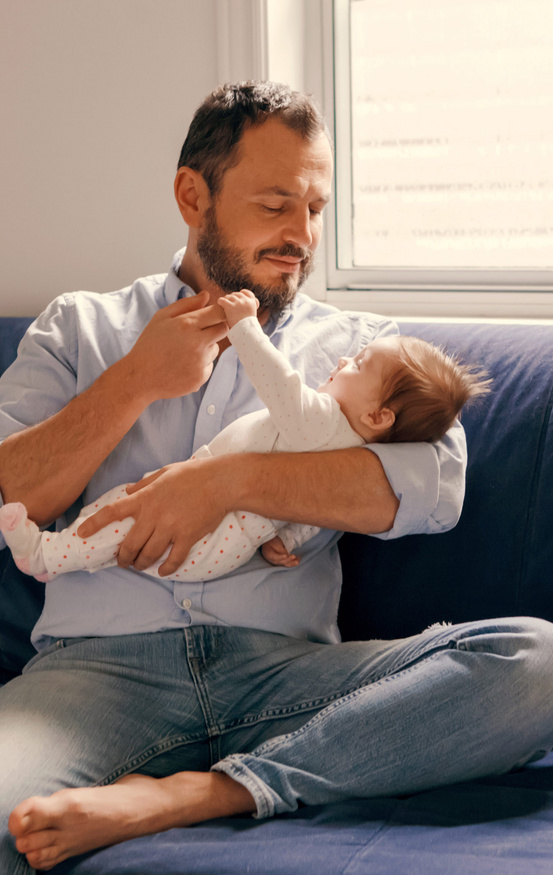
24,539
48,554
65,551
233,543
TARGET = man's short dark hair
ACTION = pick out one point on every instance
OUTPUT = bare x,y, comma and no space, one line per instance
211,146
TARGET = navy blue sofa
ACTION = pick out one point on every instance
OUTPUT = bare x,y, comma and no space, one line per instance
497,562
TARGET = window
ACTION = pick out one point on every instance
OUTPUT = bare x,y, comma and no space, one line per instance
444,155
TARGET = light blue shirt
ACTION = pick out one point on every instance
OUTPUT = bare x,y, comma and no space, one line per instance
79,336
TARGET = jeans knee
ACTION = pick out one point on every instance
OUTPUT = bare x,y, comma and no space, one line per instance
530,675
536,650
520,668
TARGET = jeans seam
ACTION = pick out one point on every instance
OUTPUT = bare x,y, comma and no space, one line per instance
324,701
147,755
388,678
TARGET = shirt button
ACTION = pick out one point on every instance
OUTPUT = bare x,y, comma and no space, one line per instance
211,409
186,603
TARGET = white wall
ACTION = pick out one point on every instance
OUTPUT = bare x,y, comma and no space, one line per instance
95,102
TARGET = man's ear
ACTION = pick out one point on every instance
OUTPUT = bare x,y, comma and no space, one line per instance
192,195
380,419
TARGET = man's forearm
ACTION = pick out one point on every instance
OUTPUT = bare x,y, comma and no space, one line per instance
47,466
339,489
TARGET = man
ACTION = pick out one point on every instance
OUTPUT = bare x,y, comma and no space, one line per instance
154,704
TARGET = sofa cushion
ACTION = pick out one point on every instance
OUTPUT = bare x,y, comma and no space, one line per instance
497,826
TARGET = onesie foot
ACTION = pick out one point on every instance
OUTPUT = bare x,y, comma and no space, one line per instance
11,515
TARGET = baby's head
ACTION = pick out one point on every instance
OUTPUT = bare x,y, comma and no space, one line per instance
402,389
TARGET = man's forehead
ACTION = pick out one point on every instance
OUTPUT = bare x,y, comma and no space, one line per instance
271,152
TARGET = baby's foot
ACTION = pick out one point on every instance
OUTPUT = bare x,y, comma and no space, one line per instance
11,515
24,565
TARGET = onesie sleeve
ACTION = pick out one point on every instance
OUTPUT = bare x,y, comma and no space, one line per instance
306,419
293,535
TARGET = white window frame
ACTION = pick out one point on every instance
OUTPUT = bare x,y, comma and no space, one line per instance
474,293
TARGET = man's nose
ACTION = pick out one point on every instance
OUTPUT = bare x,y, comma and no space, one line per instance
298,228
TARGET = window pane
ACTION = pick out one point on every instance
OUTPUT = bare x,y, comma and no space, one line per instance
452,133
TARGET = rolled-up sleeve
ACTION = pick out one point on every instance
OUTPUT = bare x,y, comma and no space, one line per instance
428,480
42,378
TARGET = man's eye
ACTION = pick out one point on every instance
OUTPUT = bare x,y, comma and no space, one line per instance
271,209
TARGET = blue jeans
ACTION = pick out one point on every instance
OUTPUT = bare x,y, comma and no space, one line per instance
291,720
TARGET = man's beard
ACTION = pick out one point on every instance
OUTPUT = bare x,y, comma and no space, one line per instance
226,266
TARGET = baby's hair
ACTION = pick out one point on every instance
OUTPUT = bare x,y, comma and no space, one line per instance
427,391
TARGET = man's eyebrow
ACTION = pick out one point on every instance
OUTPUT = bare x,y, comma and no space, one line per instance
283,192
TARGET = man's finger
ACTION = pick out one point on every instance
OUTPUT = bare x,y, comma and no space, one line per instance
206,314
149,478
175,558
215,333
144,548
209,315
186,305
130,549
105,516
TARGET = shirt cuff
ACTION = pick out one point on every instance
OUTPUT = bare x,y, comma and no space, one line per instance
413,472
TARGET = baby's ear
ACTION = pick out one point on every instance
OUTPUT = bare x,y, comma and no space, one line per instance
379,420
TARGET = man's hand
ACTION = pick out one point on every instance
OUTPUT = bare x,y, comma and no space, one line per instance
238,305
173,508
174,355
276,553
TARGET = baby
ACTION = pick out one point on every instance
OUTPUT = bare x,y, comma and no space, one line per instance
395,389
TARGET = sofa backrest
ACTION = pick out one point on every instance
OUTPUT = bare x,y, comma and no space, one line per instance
498,560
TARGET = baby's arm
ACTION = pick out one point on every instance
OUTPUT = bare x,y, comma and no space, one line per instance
305,418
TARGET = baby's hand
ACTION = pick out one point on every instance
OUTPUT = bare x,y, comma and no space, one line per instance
238,305
276,553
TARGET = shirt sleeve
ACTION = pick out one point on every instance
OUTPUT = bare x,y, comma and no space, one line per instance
42,379
429,481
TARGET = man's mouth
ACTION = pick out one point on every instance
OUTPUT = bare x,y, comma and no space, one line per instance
285,263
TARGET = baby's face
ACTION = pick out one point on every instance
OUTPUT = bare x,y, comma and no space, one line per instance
356,382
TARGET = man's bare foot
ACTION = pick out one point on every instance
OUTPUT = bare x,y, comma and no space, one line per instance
49,829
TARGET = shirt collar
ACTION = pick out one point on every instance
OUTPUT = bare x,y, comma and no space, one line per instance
174,286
